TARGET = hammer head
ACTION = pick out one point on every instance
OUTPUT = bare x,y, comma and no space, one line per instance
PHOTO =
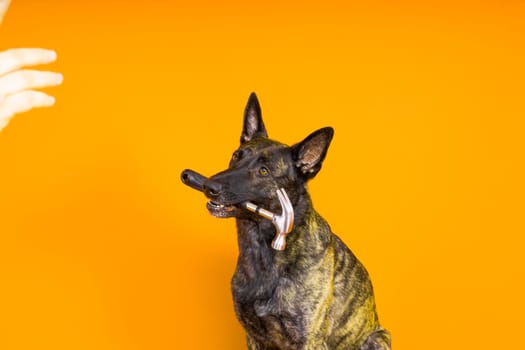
283,223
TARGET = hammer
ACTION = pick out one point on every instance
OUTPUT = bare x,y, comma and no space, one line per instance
283,223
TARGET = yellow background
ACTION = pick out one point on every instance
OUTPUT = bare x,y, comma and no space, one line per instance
102,247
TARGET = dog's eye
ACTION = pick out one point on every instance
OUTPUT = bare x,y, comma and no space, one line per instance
264,171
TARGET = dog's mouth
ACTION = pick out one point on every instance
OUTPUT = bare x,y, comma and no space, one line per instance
220,210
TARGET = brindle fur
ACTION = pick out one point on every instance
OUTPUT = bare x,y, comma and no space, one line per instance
313,295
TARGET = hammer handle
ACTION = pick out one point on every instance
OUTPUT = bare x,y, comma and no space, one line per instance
258,210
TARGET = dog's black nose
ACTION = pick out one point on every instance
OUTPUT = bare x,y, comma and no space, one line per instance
193,179
212,189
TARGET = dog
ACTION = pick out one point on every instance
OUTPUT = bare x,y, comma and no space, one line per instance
314,294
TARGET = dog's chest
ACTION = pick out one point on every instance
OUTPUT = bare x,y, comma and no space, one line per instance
281,298
276,305
268,312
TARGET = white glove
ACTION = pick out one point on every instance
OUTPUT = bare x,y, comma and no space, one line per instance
16,83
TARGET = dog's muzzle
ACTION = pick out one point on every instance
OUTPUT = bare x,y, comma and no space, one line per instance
203,184
283,223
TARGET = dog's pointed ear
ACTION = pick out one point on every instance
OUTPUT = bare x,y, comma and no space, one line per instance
309,154
253,124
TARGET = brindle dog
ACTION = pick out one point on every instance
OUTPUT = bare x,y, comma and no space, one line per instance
313,295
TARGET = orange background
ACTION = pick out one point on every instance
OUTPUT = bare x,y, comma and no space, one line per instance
102,247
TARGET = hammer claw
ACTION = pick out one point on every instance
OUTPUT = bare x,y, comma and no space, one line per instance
287,214
283,223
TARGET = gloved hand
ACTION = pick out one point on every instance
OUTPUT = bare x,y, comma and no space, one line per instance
16,83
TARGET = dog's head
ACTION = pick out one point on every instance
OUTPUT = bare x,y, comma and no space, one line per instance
260,166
